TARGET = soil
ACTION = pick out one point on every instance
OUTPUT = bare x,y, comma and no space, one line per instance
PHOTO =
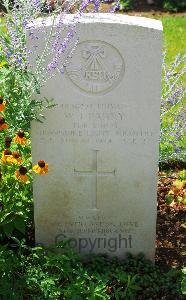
170,226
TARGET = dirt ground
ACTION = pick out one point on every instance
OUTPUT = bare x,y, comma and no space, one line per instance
170,226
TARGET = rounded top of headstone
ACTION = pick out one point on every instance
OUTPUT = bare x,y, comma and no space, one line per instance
121,19
107,18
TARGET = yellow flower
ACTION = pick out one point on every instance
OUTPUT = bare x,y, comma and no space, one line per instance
21,174
20,138
16,158
2,104
41,168
6,156
11,157
3,125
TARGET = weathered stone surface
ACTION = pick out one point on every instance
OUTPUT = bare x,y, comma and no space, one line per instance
101,141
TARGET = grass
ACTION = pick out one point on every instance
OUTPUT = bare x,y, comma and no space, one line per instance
174,34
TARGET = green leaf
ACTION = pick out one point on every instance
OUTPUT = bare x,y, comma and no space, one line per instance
8,229
183,283
19,224
169,199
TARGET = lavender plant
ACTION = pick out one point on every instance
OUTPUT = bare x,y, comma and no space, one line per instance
20,80
172,139
25,22
22,74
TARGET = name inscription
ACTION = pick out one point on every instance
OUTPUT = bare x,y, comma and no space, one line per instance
98,123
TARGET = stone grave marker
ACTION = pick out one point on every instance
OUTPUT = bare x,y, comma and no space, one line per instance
101,141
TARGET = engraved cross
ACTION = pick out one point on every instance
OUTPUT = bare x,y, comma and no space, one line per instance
94,173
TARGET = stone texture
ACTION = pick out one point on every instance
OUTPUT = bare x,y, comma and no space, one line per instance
101,141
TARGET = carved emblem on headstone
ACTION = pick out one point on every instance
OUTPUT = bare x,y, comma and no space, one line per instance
96,67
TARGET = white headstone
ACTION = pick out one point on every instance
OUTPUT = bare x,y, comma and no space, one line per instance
101,141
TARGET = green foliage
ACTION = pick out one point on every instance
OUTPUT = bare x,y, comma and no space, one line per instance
174,5
177,190
183,282
17,86
126,5
38,273
15,202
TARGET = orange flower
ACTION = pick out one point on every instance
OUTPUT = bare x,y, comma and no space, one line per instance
3,125
21,174
16,158
41,168
11,157
20,138
2,104
6,156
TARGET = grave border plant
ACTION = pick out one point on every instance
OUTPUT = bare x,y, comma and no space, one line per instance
174,5
19,104
44,274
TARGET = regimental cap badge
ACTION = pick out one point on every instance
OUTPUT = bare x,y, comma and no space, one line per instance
96,67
